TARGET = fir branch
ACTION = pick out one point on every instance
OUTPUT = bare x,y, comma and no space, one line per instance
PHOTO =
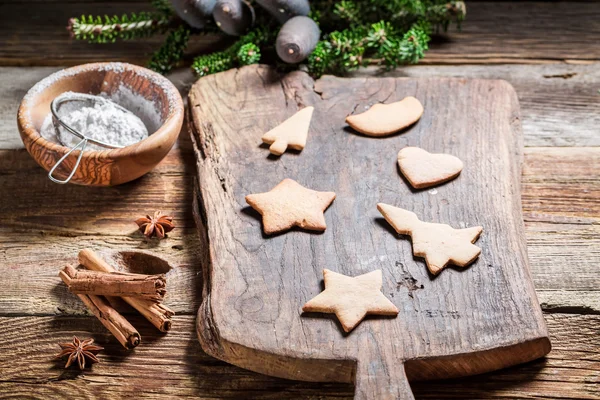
109,29
408,49
212,63
162,6
349,11
381,43
403,13
171,52
441,15
245,51
338,52
248,54
354,33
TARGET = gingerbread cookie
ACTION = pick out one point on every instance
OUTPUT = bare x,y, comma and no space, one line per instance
439,244
290,133
290,204
351,298
385,119
423,169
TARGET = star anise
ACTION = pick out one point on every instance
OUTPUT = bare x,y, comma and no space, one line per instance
79,350
157,225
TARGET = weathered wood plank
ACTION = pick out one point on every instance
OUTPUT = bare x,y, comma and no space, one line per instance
562,243
556,249
15,82
563,252
36,34
566,281
114,208
566,178
555,111
570,301
522,32
560,186
560,103
494,32
173,365
561,204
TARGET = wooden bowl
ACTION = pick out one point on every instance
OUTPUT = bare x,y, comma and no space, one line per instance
128,82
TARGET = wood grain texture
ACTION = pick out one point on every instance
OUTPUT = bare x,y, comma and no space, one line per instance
32,31
173,365
255,284
15,82
562,243
560,104
494,32
37,240
522,32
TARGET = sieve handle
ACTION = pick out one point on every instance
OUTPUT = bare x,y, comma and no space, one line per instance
82,144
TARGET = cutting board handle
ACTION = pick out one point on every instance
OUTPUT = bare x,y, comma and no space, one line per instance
379,380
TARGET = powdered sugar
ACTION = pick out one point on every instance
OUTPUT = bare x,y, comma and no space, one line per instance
118,67
145,109
142,107
100,120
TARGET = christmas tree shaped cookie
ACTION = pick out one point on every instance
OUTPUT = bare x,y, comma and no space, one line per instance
439,244
290,133
351,298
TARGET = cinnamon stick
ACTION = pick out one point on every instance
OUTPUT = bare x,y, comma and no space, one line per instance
151,287
158,314
125,333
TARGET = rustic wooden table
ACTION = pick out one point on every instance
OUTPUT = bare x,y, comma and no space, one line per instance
549,52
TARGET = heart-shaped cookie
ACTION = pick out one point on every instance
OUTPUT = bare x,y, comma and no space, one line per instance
423,169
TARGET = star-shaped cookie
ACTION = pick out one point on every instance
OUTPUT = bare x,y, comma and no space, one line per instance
439,244
351,298
290,204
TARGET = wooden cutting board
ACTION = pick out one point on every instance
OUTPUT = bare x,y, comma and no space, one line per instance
462,322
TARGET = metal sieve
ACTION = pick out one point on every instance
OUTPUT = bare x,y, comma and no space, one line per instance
55,106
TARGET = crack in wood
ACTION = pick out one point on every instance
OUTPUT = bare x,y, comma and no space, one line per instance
566,75
549,308
407,280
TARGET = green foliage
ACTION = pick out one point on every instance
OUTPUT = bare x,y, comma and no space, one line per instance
248,54
380,43
243,52
354,33
212,63
339,52
401,13
171,51
162,6
359,32
413,45
109,29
